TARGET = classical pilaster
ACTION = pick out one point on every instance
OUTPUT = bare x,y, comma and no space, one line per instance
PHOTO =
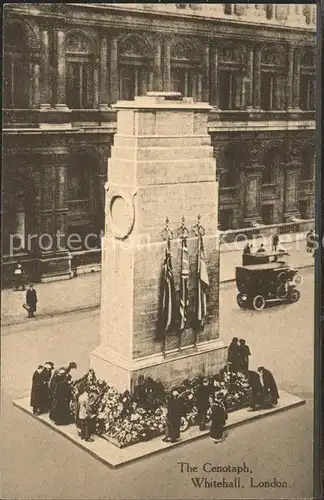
157,65
296,82
290,77
252,194
249,86
36,85
292,173
214,83
113,70
96,85
206,68
103,72
167,65
45,80
60,69
257,77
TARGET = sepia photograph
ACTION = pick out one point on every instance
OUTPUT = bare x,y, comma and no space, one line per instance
159,240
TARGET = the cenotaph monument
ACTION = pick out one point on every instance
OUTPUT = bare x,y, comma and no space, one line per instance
161,167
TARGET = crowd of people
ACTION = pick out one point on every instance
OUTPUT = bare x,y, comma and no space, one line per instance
52,393
262,382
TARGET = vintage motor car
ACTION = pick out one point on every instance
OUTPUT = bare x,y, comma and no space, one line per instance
267,278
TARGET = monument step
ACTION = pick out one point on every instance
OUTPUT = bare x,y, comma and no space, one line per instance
112,456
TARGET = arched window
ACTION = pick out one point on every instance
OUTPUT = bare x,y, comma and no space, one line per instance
307,94
272,79
17,74
271,162
186,75
231,68
80,60
135,68
307,172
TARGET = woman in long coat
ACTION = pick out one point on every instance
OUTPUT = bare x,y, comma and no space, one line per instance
218,420
36,395
60,412
175,410
270,389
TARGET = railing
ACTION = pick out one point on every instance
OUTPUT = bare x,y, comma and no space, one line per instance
234,235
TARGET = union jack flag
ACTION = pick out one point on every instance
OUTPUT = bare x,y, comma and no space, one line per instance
184,294
203,284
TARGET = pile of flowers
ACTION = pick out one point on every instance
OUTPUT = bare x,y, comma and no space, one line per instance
126,418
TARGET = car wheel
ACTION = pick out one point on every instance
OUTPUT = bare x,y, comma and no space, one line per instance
258,302
240,301
297,280
294,296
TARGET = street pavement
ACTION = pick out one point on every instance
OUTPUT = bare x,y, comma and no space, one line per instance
83,292
40,464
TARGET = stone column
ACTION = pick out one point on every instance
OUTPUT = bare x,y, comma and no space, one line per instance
96,85
292,172
290,77
249,90
45,80
60,70
252,194
157,66
296,93
103,72
167,66
257,78
137,204
113,73
206,68
36,86
214,80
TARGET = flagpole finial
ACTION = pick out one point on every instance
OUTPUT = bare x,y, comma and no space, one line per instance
167,234
183,232
198,229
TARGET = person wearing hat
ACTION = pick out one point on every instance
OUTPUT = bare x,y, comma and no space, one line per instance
84,414
270,389
257,395
202,397
244,355
46,377
175,410
233,356
218,418
60,412
36,396
31,301
66,369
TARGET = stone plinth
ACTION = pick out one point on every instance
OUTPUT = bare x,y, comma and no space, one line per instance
161,166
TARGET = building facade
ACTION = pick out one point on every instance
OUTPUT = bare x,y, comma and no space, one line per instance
64,66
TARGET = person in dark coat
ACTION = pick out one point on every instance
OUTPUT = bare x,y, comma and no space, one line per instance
270,390
257,396
233,356
247,249
31,301
218,419
18,276
66,369
274,242
202,397
175,410
261,248
244,355
46,376
60,412
36,395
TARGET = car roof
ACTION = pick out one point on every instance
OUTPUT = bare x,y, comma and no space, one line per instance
262,267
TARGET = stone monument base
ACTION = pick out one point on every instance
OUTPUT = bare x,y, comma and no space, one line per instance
206,358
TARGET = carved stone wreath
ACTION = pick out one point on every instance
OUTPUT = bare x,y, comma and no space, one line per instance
120,211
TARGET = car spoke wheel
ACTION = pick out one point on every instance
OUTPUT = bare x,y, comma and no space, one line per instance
258,302
240,300
297,280
294,296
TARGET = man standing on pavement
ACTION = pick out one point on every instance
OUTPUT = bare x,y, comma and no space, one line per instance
233,356
202,396
270,389
175,411
84,415
244,354
274,242
31,301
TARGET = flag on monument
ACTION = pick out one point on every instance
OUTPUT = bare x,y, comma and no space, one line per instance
203,284
184,294
168,292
